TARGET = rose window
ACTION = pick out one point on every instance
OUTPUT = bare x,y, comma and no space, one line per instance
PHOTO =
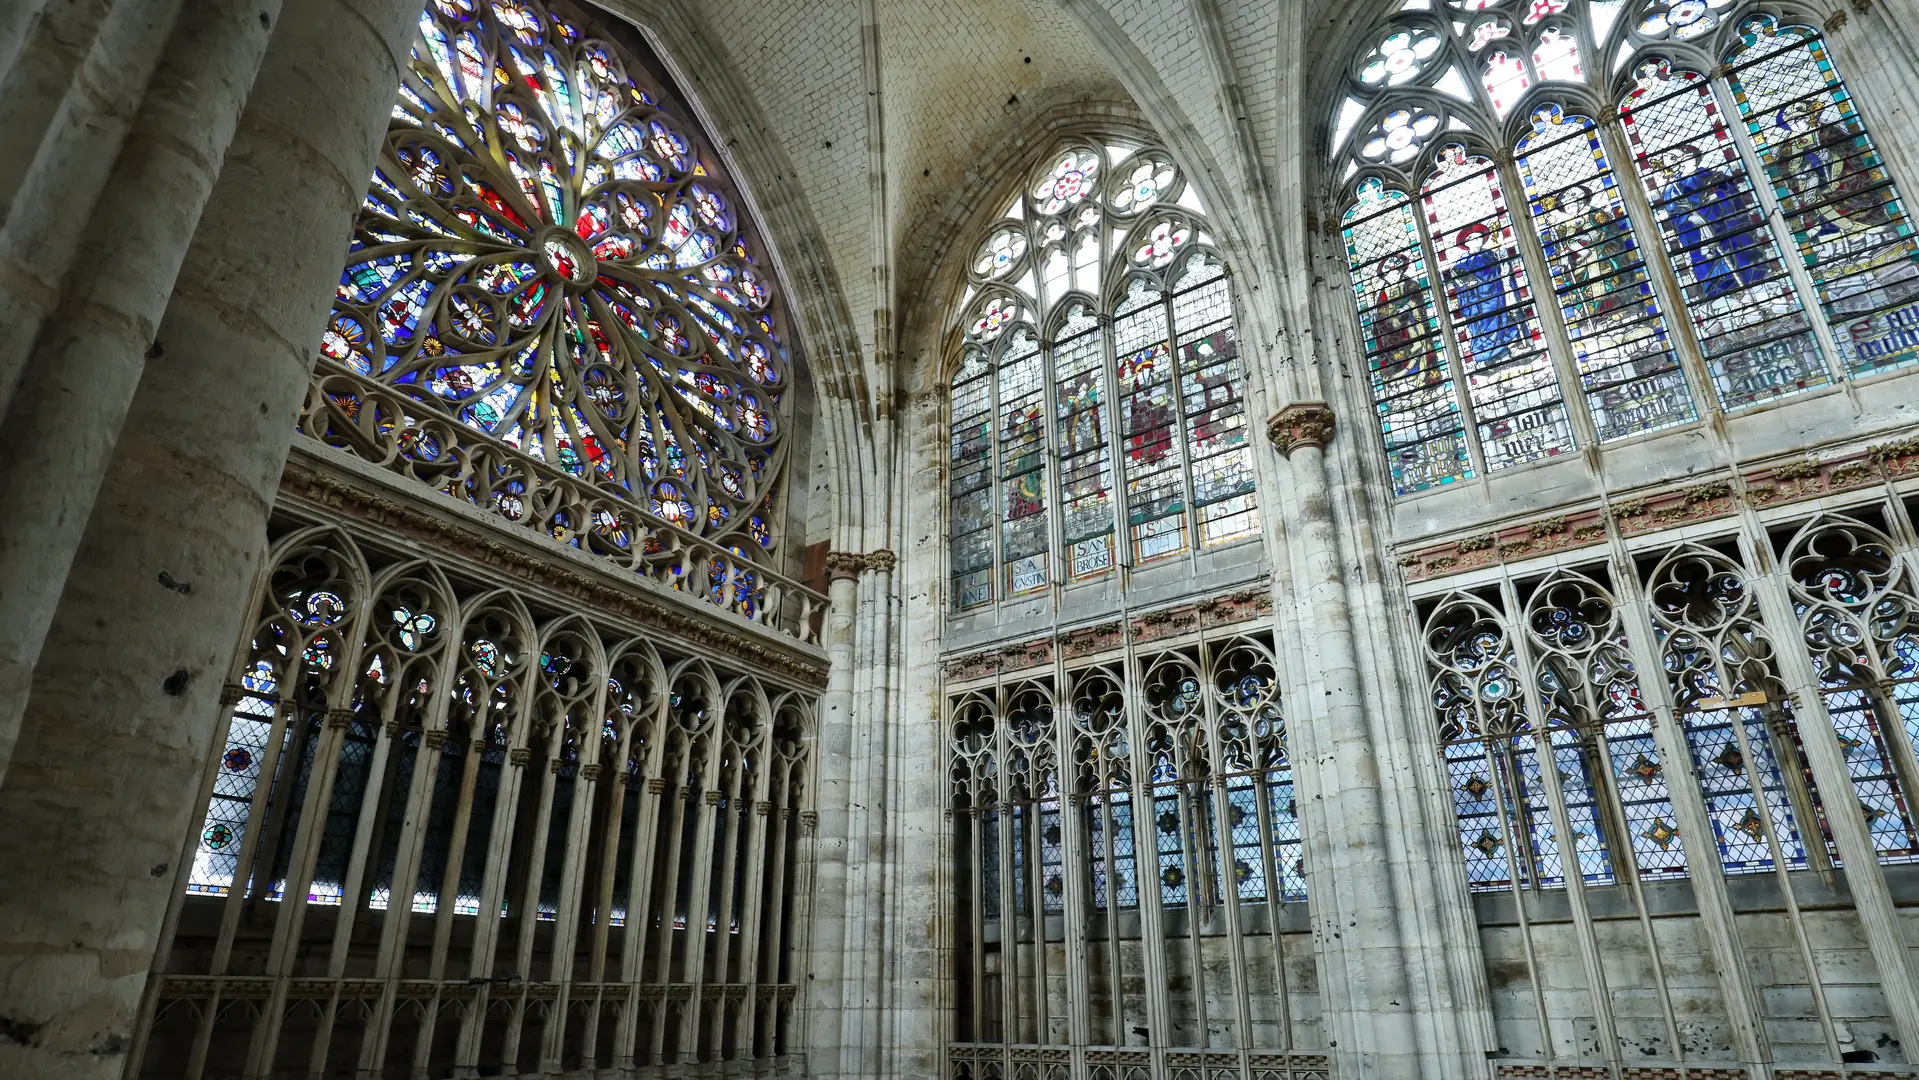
547,256
1146,183
1000,254
1540,9
1684,19
1487,31
1400,56
1398,137
1165,239
1069,181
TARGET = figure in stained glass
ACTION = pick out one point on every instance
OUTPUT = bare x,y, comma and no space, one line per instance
1399,320
1593,248
1478,279
1830,168
1716,222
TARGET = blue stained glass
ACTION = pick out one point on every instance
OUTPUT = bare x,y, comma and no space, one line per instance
1644,800
1626,364
1575,787
1288,850
1172,854
1757,339
1862,742
1477,812
1720,764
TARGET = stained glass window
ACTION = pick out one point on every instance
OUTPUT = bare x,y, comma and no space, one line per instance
1531,270
1143,417
551,253
1410,370
1846,217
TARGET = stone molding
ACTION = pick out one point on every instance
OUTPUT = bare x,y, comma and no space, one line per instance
341,718
1227,609
1303,423
846,565
1760,485
327,494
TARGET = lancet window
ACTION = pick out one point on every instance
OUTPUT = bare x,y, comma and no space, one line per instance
1097,412
552,285
1138,803
1576,221
1733,705
482,793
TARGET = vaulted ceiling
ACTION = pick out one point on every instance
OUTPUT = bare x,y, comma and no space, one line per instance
961,82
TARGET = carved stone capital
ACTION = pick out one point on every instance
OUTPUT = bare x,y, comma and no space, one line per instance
434,740
844,565
1303,423
763,808
339,718
655,785
883,559
520,755
591,770
712,797
231,693
809,820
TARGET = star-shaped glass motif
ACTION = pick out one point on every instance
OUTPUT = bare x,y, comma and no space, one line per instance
1487,843
1476,786
1751,825
1643,767
1731,759
1661,833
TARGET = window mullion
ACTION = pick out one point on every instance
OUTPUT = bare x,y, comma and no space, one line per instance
1781,231
1180,434
1050,456
1672,298
1122,511
1552,317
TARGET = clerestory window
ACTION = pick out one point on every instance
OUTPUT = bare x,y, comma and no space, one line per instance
1097,418
1577,221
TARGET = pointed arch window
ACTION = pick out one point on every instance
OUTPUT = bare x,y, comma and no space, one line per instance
1579,221
1097,412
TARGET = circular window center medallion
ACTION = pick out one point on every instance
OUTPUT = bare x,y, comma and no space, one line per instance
568,258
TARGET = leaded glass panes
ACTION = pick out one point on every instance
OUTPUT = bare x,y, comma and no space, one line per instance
1509,376
1144,418
1678,284
1149,426
1845,214
550,253
1022,464
1411,378
1753,332
1627,368
970,472
1085,466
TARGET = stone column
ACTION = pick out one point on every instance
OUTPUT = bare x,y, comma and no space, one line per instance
73,78
125,696
824,966
1365,992
77,376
